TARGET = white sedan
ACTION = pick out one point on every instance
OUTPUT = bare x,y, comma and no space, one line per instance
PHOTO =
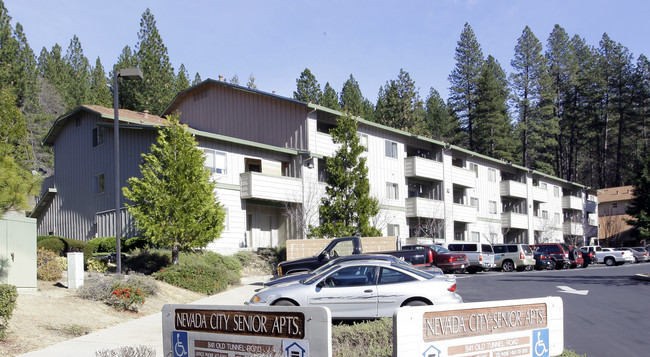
363,289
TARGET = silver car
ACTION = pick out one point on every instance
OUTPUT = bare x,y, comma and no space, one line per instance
363,289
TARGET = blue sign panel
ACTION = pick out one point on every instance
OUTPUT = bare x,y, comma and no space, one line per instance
540,343
181,346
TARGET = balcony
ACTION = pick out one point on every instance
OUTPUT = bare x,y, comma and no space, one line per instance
419,167
572,228
572,202
272,188
425,208
513,189
463,213
591,206
463,177
324,145
514,220
540,194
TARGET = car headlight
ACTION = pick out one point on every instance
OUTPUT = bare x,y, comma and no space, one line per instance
257,300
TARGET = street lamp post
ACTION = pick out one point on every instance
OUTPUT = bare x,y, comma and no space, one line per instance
127,73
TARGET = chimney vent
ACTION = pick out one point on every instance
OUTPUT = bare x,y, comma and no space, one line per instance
146,114
220,78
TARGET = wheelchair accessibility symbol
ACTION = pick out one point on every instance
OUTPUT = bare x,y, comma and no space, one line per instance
180,345
540,343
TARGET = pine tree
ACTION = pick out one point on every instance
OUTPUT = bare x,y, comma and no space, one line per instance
493,132
464,81
197,79
234,80
346,208
25,76
251,82
330,98
399,105
307,88
440,122
17,182
641,105
127,95
639,208
156,89
78,87
173,203
182,81
534,103
99,92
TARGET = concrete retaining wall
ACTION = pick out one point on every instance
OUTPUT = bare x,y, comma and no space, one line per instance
300,248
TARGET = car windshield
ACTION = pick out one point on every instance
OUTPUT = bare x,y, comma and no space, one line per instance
526,249
319,275
440,250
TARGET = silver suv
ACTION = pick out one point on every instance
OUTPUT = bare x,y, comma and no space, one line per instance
509,257
479,255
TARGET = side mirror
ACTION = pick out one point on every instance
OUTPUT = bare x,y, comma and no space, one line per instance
324,256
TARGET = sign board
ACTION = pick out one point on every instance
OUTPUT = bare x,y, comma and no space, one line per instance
244,331
526,327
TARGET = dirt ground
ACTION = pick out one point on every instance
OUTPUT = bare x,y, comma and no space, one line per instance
55,314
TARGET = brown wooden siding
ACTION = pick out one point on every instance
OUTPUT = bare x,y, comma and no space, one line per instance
239,114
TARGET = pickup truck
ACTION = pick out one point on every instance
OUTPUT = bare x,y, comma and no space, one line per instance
345,246
609,256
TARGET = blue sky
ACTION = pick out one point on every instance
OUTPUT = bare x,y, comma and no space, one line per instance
276,40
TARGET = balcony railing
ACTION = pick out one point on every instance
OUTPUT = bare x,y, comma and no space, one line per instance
572,228
572,202
419,167
514,220
324,144
273,188
463,213
425,208
540,194
513,189
463,177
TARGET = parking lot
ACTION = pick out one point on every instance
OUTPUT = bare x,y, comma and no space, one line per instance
605,308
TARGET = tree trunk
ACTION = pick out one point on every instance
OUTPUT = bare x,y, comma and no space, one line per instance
175,254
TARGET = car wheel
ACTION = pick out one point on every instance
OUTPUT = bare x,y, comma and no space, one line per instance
283,303
529,268
585,264
551,265
416,303
508,266
609,262
459,271
636,260
472,270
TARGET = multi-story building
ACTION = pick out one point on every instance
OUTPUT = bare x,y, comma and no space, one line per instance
267,154
612,215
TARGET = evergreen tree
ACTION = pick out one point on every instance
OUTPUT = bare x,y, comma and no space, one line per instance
307,88
197,79
127,97
639,208
493,132
182,81
234,80
53,68
156,89
464,81
78,76
330,98
534,103
641,106
25,76
174,203
99,92
251,82
440,121
17,182
353,102
399,105
346,208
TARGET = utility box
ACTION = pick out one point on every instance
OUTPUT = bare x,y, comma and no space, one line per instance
75,270
18,252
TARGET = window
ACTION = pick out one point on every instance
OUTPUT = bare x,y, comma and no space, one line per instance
543,185
545,214
253,165
391,149
493,207
363,140
473,167
392,191
556,217
323,127
476,236
215,161
77,121
614,205
390,276
98,184
473,201
392,230
322,170
351,276
98,136
492,175
458,162
556,191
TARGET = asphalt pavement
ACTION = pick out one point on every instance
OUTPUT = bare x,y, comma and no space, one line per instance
145,331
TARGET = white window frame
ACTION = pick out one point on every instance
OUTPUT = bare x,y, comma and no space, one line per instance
493,207
556,191
392,230
363,140
475,236
391,149
392,191
212,154
473,201
492,175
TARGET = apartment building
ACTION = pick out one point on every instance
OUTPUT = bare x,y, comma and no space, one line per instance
612,216
267,154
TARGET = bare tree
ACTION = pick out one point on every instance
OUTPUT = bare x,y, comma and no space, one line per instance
302,215
492,234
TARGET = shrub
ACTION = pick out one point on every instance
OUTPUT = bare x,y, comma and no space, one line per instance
126,296
47,266
147,261
198,277
8,297
372,338
61,246
218,260
63,261
104,244
56,245
94,264
134,243
79,246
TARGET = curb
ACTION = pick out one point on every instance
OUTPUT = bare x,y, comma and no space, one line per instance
643,277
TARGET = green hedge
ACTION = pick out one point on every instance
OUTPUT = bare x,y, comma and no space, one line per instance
61,246
8,296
